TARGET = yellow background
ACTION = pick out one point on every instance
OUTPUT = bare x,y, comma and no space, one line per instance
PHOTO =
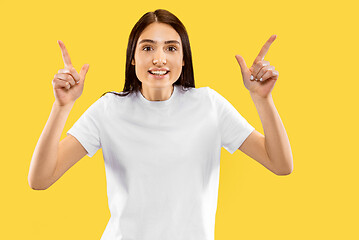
315,53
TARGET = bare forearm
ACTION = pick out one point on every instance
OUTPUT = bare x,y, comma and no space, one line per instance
276,139
44,158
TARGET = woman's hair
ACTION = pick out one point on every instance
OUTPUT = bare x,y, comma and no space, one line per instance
186,79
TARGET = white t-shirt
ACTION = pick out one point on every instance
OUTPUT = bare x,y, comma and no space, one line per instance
162,160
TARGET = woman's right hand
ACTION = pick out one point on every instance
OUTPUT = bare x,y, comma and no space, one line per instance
68,84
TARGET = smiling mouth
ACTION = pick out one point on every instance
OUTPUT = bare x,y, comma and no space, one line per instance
158,74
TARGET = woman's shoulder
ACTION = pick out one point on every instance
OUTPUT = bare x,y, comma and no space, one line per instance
205,91
111,98
111,94
209,94
198,90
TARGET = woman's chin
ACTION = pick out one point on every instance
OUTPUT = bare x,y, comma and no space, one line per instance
157,83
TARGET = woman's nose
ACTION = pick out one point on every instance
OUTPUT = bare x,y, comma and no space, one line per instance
159,57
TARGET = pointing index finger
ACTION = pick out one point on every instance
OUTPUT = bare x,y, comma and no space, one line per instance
65,54
265,48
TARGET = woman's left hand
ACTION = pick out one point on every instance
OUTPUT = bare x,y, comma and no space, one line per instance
260,78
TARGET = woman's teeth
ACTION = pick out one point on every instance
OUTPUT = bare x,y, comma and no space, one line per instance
158,72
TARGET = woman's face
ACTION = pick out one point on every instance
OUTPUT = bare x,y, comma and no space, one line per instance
158,47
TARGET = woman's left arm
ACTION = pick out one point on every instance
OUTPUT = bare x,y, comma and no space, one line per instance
276,139
259,79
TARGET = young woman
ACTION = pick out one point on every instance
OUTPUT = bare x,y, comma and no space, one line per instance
161,137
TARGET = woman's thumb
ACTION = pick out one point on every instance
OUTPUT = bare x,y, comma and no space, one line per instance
243,65
84,71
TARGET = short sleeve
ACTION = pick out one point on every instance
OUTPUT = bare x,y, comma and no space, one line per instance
87,128
234,129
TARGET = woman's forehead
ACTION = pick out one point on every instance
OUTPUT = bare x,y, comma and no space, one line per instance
146,40
159,33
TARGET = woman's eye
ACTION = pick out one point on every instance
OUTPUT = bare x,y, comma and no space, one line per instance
171,49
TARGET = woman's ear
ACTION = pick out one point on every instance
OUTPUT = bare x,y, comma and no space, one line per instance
133,62
183,63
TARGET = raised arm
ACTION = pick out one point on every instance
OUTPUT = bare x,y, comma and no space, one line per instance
272,150
51,158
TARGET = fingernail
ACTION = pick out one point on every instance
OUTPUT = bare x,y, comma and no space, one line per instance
252,77
260,79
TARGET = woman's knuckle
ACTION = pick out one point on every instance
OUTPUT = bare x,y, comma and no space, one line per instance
55,83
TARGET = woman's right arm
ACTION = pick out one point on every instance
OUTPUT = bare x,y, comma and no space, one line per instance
51,158
48,151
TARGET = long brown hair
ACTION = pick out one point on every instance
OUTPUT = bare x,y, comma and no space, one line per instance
186,79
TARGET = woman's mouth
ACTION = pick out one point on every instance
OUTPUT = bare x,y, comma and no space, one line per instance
159,75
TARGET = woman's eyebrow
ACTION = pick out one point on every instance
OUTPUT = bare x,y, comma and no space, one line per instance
155,42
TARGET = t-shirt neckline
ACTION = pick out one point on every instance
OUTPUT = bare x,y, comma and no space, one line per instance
160,104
